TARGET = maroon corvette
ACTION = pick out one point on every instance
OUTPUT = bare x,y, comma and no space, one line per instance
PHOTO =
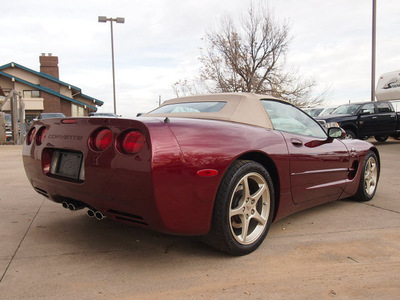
220,166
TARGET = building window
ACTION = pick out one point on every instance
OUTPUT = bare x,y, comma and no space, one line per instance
32,94
77,111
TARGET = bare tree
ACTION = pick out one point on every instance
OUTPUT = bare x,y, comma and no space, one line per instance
185,88
250,57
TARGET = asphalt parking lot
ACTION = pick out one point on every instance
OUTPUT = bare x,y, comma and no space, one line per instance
343,250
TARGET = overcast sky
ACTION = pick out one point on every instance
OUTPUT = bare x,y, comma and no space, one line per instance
159,43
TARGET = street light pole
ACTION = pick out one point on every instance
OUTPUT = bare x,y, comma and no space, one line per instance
373,50
103,19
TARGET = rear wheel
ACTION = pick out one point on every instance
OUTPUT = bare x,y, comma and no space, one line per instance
243,209
381,138
369,178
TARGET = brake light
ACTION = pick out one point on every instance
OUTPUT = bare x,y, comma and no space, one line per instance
68,121
41,135
132,142
101,139
30,135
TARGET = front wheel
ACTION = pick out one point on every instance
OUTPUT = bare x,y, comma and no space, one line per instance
369,178
350,135
243,209
381,138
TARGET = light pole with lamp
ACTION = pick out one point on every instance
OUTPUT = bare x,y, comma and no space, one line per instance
373,50
103,19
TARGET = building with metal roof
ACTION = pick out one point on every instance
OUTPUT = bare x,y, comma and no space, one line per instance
44,92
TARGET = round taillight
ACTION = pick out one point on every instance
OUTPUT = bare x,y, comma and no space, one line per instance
132,142
40,136
102,139
30,136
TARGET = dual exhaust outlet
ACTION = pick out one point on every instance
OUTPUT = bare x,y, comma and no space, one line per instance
95,214
73,206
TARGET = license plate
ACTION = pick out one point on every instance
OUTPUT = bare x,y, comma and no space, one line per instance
67,164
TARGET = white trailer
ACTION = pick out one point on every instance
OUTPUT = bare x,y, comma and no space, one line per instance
388,88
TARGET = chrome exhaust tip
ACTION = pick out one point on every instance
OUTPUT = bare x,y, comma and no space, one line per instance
71,207
99,216
65,204
90,213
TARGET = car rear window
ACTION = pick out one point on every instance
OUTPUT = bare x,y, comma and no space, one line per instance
190,107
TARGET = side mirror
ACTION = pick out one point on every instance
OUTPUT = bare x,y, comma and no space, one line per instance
364,112
336,133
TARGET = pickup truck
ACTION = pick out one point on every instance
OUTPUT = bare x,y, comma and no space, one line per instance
362,120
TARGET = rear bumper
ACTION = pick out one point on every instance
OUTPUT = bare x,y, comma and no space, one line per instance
123,195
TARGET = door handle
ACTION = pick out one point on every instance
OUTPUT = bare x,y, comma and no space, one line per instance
374,117
296,142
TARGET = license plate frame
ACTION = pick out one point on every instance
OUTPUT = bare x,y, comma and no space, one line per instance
67,164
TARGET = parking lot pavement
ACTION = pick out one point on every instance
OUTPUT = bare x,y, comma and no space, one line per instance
344,249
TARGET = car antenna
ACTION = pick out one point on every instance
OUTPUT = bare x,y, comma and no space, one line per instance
166,120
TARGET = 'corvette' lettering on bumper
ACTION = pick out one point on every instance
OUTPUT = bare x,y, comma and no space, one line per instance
65,137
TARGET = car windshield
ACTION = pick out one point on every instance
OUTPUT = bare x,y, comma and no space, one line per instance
314,112
347,109
190,107
327,111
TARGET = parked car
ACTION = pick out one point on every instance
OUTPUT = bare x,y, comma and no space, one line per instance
49,116
361,120
327,111
105,115
8,127
7,118
220,166
319,111
313,111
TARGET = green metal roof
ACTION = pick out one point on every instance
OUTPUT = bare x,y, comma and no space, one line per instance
48,90
52,78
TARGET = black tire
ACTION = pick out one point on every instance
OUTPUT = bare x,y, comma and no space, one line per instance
369,178
241,220
350,135
381,138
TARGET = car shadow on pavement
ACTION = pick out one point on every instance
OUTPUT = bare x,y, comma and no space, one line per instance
61,232
65,232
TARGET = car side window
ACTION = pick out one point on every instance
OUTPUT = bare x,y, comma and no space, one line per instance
286,117
368,108
383,107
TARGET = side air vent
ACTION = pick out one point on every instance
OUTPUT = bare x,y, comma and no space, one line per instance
42,192
123,216
353,170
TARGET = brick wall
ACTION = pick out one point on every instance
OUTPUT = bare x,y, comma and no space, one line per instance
66,107
49,65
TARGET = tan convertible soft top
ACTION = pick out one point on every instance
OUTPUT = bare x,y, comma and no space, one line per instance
240,107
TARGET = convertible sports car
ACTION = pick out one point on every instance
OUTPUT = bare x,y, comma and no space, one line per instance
220,166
